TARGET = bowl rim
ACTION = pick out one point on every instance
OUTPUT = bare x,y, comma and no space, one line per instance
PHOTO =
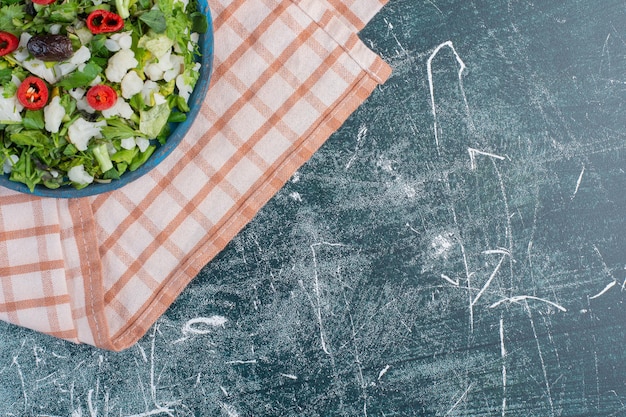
162,151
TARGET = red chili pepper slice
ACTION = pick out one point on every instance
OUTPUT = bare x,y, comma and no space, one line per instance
8,43
101,97
33,93
104,21
43,2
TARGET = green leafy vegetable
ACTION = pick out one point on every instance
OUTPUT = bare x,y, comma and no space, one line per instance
81,78
12,17
151,121
155,19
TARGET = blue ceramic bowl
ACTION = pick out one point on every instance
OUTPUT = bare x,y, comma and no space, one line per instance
178,132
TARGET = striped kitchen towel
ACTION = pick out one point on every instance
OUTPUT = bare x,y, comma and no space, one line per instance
102,269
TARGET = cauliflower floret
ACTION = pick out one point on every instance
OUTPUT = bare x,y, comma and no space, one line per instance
39,68
96,81
81,101
117,41
53,114
177,65
10,107
131,84
120,108
82,55
153,71
81,131
167,64
182,83
165,61
194,38
21,53
124,39
158,99
142,144
119,64
78,175
112,45
149,88
128,143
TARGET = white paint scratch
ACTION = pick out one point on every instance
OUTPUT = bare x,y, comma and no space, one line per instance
210,322
461,398
295,196
431,85
435,6
142,352
359,137
468,274
93,411
503,356
605,50
501,251
20,374
541,360
240,362
316,288
383,372
450,280
390,27
229,410
604,290
290,376
200,326
473,152
519,298
580,179
156,411
488,283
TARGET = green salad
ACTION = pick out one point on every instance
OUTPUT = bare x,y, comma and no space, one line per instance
89,88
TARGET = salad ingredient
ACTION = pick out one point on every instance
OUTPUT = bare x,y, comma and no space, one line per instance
33,93
117,41
48,47
101,153
121,108
122,7
53,115
104,21
131,84
78,175
153,120
10,107
82,131
43,2
119,64
8,43
101,97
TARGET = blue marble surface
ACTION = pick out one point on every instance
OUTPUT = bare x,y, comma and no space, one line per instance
457,248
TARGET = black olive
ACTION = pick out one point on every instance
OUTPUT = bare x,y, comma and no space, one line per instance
30,9
49,47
